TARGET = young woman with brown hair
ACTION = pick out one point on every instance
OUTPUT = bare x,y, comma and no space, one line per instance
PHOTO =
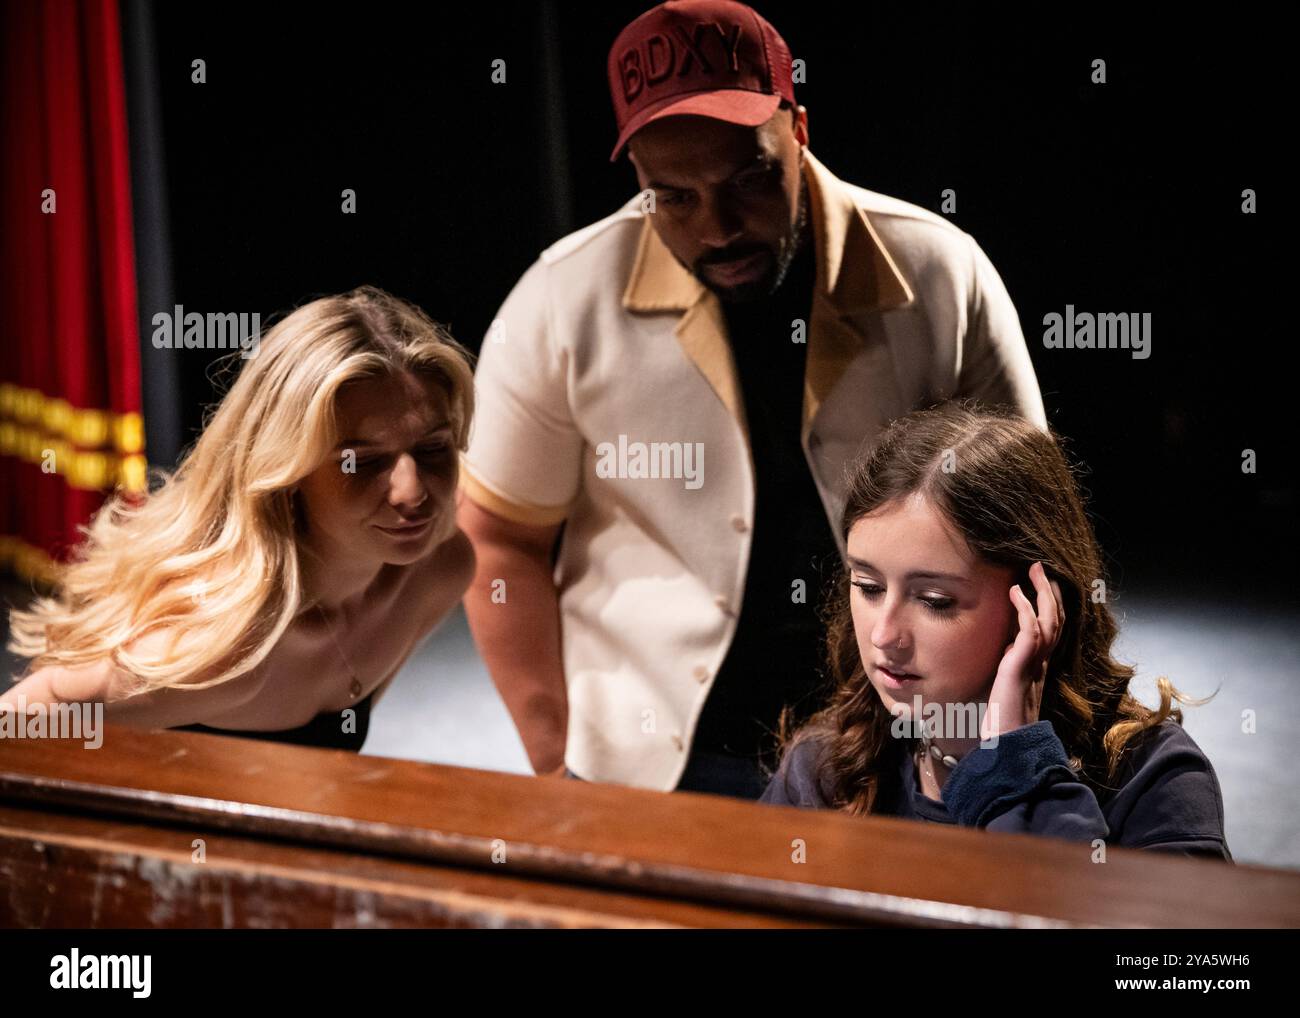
954,517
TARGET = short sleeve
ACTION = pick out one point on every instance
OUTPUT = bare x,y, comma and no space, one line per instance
995,364
524,460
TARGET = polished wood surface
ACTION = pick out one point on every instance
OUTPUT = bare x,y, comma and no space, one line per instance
305,837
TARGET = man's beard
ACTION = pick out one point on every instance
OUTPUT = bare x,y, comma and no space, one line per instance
771,280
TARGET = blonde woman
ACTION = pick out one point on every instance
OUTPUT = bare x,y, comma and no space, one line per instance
302,550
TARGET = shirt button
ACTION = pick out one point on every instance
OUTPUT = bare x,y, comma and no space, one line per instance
738,524
701,673
677,741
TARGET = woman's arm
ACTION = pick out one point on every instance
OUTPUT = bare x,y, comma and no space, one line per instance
102,682
1024,785
57,684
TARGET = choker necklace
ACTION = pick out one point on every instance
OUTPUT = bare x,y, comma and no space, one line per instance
929,749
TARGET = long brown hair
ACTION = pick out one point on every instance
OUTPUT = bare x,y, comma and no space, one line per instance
1007,487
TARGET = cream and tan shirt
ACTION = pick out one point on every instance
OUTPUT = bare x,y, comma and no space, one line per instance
608,399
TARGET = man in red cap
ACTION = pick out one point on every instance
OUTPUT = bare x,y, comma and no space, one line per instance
683,77
675,392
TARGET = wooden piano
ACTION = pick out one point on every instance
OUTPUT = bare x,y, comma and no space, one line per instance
175,829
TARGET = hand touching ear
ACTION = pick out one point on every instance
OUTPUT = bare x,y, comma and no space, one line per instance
1017,690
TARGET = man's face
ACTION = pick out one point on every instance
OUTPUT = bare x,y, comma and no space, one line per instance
726,197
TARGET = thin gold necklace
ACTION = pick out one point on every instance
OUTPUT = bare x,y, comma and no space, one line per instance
354,689
921,757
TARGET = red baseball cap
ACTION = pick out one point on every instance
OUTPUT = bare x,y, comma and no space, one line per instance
709,58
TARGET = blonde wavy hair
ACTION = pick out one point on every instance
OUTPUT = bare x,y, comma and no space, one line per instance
211,557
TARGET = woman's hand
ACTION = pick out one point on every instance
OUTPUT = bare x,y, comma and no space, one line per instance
1017,690
57,684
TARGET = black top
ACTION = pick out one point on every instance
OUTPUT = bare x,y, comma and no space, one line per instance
775,657
326,730
1166,794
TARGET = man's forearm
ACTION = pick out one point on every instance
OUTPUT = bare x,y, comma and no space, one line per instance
514,614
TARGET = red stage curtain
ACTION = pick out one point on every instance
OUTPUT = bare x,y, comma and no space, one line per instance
70,425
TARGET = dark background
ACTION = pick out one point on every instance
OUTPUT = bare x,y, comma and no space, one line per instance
1123,197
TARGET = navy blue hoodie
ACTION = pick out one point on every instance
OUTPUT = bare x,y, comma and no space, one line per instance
1166,793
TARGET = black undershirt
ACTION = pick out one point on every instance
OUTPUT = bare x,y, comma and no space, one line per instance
775,658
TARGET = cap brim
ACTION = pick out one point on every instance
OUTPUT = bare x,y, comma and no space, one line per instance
735,106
